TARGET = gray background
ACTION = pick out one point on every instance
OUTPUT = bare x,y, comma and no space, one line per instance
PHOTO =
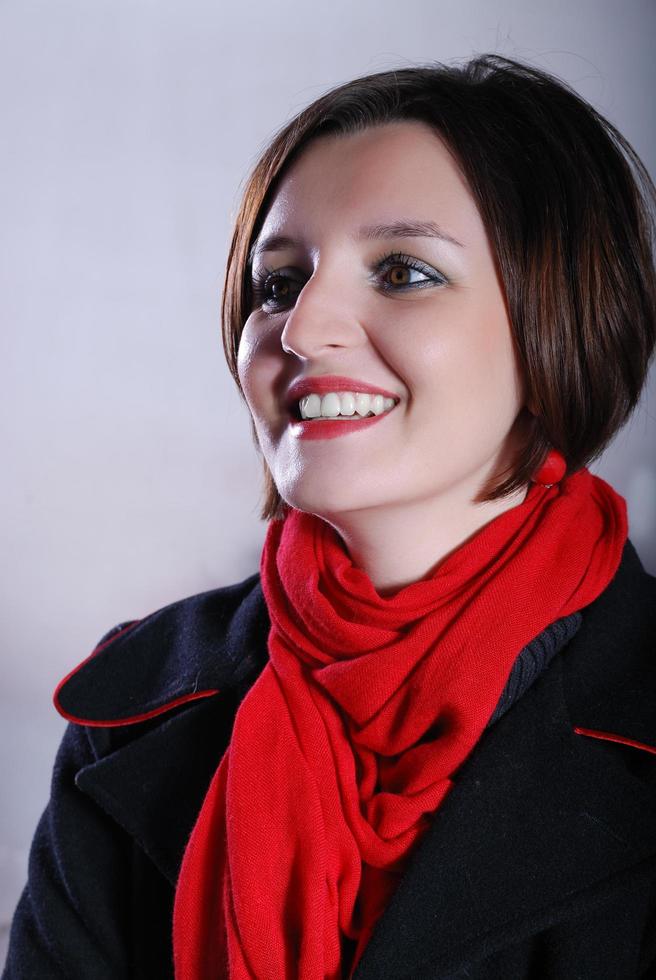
127,131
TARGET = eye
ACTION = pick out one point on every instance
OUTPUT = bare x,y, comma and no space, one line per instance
401,266
274,290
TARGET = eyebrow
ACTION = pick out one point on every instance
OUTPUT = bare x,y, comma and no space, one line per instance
396,229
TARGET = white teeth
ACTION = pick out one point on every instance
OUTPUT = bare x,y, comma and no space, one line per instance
377,405
343,404
362,403
346,403
330,405
311,407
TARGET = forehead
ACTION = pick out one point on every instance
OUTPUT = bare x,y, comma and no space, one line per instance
399,170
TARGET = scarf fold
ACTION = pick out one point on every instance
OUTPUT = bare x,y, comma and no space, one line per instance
347,742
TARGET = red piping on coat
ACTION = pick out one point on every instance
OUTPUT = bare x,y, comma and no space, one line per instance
611,737
133,719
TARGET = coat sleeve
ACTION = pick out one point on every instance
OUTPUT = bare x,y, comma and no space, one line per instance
72,920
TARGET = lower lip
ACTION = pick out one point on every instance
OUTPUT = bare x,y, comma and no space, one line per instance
308,429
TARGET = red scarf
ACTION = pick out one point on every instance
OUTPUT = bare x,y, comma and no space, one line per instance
345,745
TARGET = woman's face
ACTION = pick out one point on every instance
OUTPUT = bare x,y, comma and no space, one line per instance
427,325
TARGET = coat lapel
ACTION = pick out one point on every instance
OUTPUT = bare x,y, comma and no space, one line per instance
152,776
155,785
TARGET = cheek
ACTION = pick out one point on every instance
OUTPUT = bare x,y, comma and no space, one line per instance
465,378
258,368
479,347
503,372
250,364
244,356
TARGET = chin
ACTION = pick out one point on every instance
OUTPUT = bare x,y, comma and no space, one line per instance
318,501
329,505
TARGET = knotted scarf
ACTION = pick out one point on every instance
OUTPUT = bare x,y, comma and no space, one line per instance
347,742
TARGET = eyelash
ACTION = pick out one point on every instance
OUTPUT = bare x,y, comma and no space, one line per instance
388,259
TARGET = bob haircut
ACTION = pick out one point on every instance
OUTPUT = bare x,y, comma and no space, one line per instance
568,208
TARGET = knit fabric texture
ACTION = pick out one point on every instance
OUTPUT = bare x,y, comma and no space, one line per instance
533,659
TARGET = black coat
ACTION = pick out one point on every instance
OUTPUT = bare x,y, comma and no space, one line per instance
541,862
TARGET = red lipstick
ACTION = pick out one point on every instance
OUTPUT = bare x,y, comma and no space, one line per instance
321,384
314,429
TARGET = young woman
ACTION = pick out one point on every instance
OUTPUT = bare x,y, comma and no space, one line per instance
421,741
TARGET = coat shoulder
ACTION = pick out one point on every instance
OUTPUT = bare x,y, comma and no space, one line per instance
609,672
619,630
197,647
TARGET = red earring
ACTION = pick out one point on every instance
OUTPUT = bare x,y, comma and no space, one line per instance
552,469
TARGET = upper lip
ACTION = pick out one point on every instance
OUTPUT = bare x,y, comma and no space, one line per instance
321,384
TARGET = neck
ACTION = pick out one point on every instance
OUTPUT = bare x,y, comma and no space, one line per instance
397,546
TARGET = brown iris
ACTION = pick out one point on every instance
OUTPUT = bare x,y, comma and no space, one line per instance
280,289
397,275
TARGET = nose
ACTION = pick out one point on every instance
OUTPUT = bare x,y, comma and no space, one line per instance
320,321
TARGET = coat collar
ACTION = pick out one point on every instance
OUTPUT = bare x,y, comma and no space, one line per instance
191,649
538,815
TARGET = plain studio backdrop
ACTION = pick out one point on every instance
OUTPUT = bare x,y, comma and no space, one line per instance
127,130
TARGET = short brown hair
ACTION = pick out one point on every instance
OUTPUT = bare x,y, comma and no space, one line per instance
569,210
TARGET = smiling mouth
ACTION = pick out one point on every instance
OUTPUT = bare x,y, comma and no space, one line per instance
343,406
